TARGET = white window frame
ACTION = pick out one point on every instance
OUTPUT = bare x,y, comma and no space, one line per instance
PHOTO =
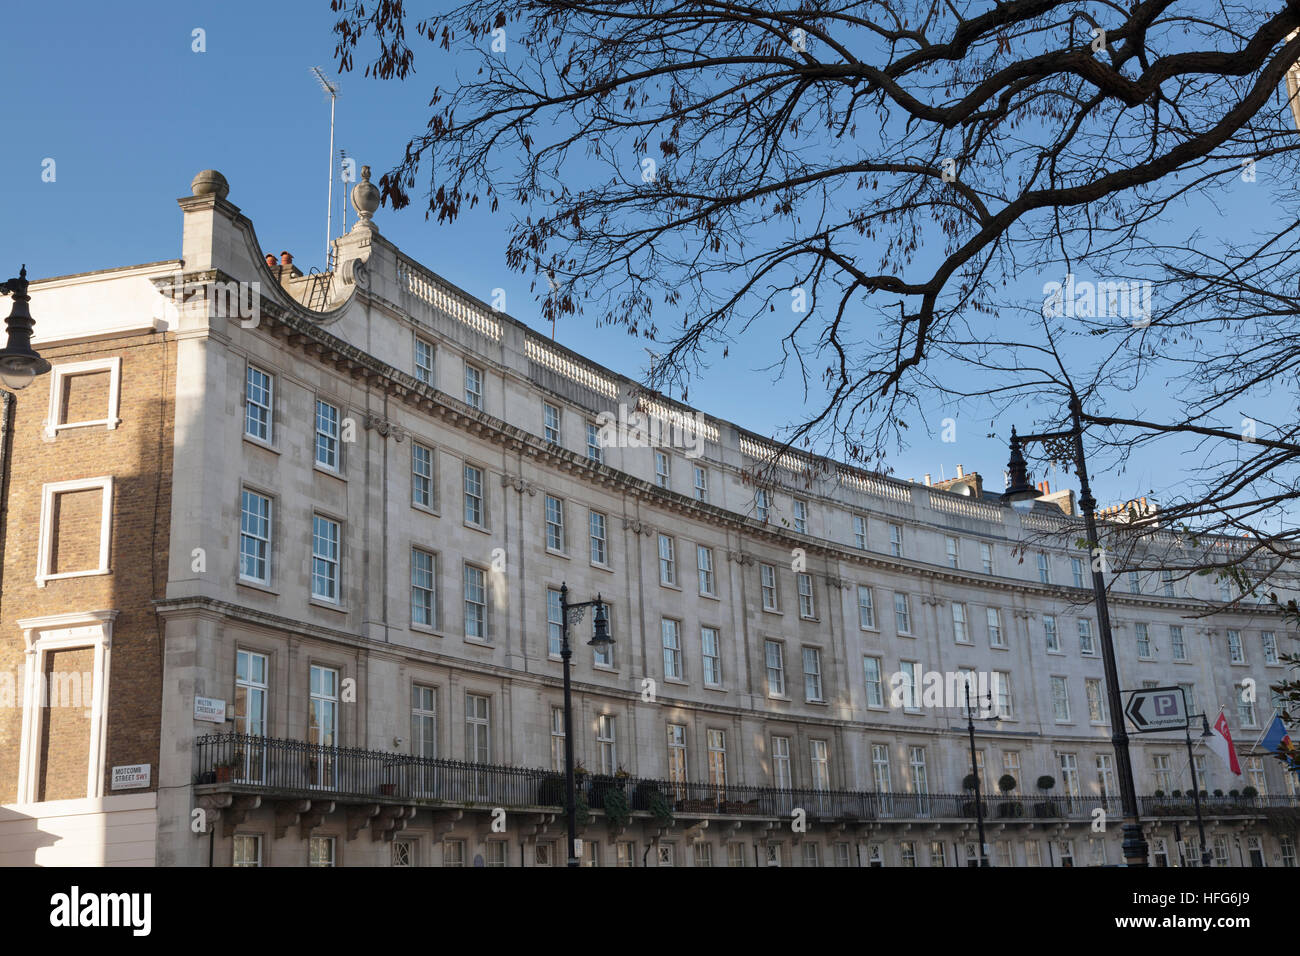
712,661
1178,642
553,519
474,396
766,589
667,562
960,626
701,479
42,636
814,691
68,370
704,567
598,542
778,670
807,600
799,507
270,537
270,405
45,539
867,610
466,603
663,469
430,479
335,463
860,532
674,666
993,618
334,564
551,432
432,588
903,613
430,379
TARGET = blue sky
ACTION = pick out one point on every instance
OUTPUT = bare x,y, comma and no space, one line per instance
129,112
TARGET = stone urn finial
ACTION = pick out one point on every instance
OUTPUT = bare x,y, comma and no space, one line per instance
365,199
210,183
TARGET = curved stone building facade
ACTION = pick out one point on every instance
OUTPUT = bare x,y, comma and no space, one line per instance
377,486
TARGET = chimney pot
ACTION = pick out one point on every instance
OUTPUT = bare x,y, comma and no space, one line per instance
286,259
960,473
927,479
270,261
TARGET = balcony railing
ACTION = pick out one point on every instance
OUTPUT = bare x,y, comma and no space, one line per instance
294,768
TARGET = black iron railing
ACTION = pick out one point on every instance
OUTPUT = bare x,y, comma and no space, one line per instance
293,767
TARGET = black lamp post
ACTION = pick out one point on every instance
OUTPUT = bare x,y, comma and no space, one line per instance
600,638
1196,792
975,770
1019,490
19,363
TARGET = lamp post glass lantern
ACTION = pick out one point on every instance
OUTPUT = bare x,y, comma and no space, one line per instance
19,363
600,637
1020,494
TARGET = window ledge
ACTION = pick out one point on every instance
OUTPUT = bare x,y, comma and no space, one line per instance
320,469
258,443
425,629
481,529
327,605
555,553
264,587
43,579
426,509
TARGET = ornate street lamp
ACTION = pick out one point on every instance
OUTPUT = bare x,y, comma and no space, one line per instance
599,638
1019,493
19,363
974,766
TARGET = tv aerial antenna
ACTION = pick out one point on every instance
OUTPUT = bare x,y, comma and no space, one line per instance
331,88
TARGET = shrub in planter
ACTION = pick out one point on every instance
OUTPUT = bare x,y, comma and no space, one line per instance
600,786
1205,794
1218,793
657,804
1045,808
641,795
1176,794
581,811
1046,782
970,781
1006,783
1250,793
1159,794
1234,793
617,811
550,792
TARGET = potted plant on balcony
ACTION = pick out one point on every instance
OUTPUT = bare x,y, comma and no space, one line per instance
580,774
1045,807
601,785
1249,792
968,783
550,792
617,812
225,771
659,809
1009,808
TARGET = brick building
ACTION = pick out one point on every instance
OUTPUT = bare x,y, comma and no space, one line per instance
341,507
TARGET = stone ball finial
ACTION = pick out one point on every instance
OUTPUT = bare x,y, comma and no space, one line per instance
210,183
365,197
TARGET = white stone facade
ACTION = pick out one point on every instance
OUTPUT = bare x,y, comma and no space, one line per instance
823,730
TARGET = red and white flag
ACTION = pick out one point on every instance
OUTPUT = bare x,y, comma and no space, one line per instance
1220,741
